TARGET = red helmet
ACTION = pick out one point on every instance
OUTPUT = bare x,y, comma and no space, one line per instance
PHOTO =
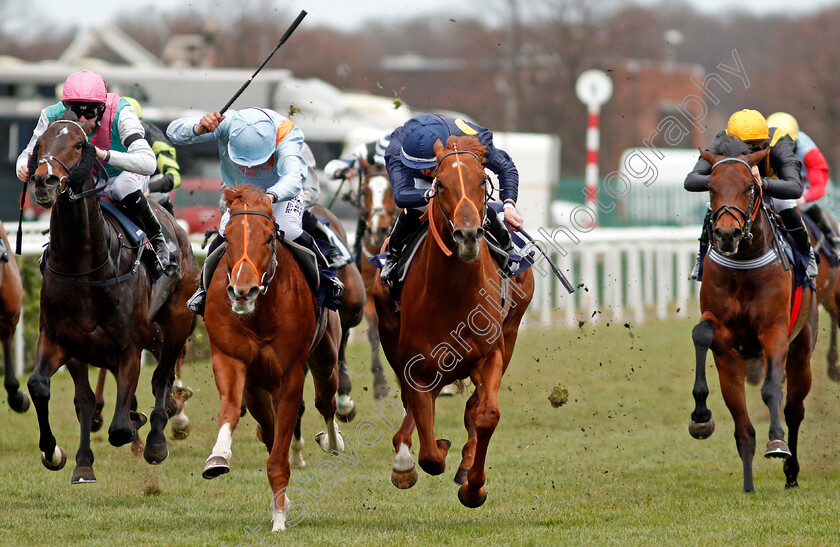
84,86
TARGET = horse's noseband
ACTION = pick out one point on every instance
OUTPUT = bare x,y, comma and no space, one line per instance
268,276
746,219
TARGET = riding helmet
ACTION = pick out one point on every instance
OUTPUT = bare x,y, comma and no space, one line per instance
84,86
418,144
785,122
253,137
747,125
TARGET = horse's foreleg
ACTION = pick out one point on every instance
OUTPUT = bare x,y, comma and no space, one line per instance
156,450
468,452
381,389
487,377
702,425
731,374
346,410
432,454
84,401
798,385
288,397
259,400
229,373
833,369
97,421
18,400
404,471
50,358
122,429
774,343
179,395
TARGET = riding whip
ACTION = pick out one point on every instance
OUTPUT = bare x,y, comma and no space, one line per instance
557,271
285,37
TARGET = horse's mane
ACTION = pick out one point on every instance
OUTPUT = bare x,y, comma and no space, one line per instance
247,194
732,147
467,144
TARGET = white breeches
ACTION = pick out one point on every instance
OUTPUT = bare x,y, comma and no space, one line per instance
124,184
287,214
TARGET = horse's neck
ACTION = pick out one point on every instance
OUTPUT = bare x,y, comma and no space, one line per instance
78,231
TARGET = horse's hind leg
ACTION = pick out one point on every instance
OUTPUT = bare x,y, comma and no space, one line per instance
731,373
18,400
122,430
50,358
178,396
798,386
84,401
381,389
97,421
288,397
833,369
702,425
156,450
346,409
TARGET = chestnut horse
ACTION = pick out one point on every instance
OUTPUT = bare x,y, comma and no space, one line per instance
379,214
11,299
458,319
747,314
264,329
98,304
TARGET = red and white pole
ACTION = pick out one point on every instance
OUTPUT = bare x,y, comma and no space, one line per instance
593,88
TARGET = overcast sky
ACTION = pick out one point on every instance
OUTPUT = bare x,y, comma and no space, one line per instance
343,14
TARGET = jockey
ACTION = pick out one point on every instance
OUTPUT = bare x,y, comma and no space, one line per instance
260,147
814,175
780,178
346,168
128,158
167,176
411,163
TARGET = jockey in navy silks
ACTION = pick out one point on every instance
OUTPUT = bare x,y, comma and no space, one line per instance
120,145
411,163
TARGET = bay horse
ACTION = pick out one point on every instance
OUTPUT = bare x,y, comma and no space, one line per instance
746,314
98,304
11,300
457,319
379,213
264,329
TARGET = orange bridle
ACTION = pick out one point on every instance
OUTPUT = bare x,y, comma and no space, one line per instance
272,268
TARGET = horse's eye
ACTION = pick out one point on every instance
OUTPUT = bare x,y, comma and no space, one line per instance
79,145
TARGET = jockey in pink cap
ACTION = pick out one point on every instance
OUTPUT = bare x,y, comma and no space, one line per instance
119,142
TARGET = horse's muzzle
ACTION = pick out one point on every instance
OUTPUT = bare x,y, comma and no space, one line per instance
727,241
469,242
242,302
45,189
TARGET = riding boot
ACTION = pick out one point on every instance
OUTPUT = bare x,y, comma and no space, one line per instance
336,287
313,226
196,302
796,228
825,224
496,227
697,271
137,206
407,223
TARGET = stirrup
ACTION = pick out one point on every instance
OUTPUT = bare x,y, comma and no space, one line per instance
196,302
336,288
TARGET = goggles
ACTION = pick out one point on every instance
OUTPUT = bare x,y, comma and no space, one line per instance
85,110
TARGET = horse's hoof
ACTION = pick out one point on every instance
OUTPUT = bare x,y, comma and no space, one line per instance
181,433
83,475
777,449
404,479
137,446
348,418
381,390
346,408
96,423
834,373
794,484
171,406
155,453
461,475
701,430
62,459
215,466
19,402
468,501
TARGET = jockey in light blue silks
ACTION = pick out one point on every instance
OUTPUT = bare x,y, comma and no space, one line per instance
120,145
261,147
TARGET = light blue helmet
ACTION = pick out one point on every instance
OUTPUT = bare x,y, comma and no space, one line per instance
252,137
418,144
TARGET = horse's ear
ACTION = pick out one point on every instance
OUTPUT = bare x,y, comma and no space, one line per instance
757,157
709,157
439,149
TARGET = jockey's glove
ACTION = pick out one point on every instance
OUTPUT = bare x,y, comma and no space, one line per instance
429,194
164,184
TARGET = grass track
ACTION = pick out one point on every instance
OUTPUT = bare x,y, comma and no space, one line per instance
615,465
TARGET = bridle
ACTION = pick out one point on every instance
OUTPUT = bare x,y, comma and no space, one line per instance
64,186
268,276
464,198
746,218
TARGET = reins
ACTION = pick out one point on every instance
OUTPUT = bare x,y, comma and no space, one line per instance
272,268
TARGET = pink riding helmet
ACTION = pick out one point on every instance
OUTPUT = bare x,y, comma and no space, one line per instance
84,86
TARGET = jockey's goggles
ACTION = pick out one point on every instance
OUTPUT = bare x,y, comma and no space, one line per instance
757,145
85,110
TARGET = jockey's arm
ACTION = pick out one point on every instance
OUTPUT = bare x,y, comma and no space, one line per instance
166,158
138,158
787,168
698,179
22,164
290,167
817,169
312,186
183,130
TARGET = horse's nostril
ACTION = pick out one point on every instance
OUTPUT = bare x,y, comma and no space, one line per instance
253,293
718,233
736,233
231,292
458,236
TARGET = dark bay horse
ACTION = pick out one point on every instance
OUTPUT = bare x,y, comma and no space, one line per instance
351,312
98,304
458,319
11,299
379,212
264,329
746,314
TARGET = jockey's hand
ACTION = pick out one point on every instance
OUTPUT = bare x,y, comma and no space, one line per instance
209,123
512,217
347,173
23,173
756,174
101,154
429,194
800,200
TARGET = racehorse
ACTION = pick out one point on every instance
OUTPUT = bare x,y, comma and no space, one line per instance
351,313
264,329
458,319
98,304
747,314
379,214
11,299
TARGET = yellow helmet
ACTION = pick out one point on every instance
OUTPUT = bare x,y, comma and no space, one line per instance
135,105
785,122
747,125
